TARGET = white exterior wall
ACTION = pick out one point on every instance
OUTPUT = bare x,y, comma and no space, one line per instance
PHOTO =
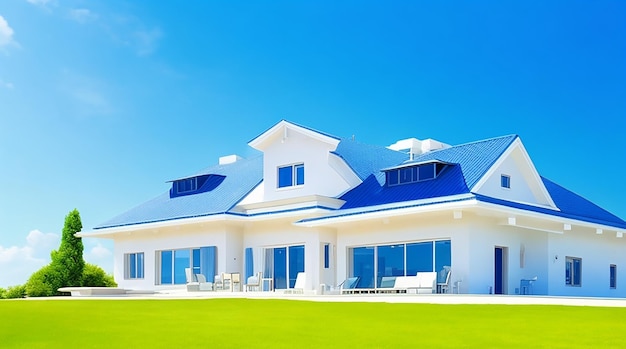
227,240
597,253
319,176
269,235
485,235
402,230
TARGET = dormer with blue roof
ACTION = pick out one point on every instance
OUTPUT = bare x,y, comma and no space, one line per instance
334,208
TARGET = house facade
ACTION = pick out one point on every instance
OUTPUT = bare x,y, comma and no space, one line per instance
336,208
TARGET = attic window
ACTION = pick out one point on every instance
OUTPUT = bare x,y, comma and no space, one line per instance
415,173
505,181
195,185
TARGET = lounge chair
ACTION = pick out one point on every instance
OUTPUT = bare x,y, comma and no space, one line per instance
235,280
349,285
192,285
203,285
298,287
387,284
443,279
254,281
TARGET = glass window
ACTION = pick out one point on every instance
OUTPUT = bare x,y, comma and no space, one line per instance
296,263
166,267
427,172
291,175
419,257
181,261
363,266
326,256
573,271
390,261
171,264
406,175
613,276
443,254
392,177
195,260
299,174
285,176
133,265
505,181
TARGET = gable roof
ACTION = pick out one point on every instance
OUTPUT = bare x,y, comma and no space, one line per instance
240,178
468,163
367,159
261,141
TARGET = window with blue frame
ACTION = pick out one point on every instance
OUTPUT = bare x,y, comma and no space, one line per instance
612,276
133,265
171,264
326,256
282,265
505,181
573,271
405,259
412,174
291,175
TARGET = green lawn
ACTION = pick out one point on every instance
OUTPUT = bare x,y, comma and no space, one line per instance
244,323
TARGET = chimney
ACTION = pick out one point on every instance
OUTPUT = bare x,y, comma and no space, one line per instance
229,159
415,147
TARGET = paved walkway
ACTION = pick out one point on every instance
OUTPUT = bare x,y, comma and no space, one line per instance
387,298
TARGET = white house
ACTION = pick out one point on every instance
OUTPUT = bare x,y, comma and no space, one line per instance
335,208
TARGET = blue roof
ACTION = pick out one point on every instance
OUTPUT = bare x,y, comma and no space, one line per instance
469,162
240,178
475,158
367,159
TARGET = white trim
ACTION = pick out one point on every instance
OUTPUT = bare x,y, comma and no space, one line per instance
260,142
517,143
537,215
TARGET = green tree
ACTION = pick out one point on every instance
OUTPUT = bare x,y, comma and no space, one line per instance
94,276
43,283
68,261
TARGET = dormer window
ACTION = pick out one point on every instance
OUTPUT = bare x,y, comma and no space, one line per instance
412,173
186,185
291,175
195,185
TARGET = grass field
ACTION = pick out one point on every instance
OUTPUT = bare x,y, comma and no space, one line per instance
245,323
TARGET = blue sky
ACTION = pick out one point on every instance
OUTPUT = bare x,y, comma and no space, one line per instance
102,102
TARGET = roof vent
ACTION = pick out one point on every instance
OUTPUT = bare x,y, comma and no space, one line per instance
229,159
414,146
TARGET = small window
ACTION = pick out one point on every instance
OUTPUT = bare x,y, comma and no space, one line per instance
133,265
186,185
505,181
326,256
613,276
392,177
573,271
427,172
289,176
406,175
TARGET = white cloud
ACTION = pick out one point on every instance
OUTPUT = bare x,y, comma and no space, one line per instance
99,255
82,15
6,33
17,263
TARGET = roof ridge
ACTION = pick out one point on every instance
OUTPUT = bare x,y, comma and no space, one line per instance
484,140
